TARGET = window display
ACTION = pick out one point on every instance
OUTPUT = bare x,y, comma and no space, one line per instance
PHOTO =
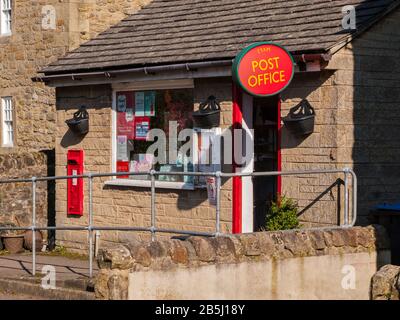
140,111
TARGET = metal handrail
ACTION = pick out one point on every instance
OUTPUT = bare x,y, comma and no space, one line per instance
153,229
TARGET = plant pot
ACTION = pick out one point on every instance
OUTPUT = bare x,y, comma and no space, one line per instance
79,126
14,243
300,126
28,240
207,120
80,122
209,114
301,118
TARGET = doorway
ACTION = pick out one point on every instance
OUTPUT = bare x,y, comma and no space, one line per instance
266,124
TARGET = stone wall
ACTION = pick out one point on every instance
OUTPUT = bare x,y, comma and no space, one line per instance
16,198
129,206
367,85
320,197
386,283
22,55
356,100
267,265
30,47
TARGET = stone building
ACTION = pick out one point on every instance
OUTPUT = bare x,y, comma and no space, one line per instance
181,52
32,34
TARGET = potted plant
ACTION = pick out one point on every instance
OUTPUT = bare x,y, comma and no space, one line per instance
301,118
282,215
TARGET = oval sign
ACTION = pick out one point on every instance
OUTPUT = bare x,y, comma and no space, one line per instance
264,69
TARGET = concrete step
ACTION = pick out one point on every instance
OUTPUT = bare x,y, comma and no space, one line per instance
72,289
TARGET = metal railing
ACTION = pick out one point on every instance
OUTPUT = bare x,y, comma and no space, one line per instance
153,228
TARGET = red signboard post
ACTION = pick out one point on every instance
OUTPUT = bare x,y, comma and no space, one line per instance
263,69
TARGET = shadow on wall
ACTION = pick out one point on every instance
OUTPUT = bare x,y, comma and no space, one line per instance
70,99
320,197
290,141
376,116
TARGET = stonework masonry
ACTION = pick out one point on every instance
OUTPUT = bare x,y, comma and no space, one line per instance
22,54
135,259
356,100
129,206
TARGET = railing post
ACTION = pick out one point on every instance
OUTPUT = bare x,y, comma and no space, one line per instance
218,204
90,225
354,196
346,197
33,226
153,205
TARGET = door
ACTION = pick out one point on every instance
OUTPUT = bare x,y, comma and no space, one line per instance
266,117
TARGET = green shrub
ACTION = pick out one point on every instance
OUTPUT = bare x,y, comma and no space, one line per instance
282,215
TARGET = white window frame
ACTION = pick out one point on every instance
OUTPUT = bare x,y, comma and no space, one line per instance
143,86
5,17
7,122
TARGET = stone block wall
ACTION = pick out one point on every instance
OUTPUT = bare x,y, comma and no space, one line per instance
356,101
128,206
320,196
367,85
16,198
386,283
264,265
29,48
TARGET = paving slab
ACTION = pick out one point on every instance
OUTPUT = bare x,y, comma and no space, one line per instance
20,265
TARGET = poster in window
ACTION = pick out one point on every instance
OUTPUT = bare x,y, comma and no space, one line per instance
125,114
150,103
122,148
123,166
126,124
124,100
142,128
139,104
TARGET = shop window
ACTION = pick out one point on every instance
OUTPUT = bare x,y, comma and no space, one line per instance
7,122
137,112
5,17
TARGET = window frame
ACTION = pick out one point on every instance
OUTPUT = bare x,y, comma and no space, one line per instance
3,17
4,133
145,86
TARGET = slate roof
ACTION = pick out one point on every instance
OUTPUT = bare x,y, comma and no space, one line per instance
173,31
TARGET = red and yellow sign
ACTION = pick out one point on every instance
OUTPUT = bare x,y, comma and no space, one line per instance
264,69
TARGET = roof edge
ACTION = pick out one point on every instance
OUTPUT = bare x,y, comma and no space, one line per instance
349,38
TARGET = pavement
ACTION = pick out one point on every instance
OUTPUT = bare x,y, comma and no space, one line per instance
20,265
72,278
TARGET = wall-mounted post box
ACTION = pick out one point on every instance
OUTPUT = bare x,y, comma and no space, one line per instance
75,185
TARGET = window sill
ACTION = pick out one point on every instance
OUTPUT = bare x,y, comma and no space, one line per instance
147,184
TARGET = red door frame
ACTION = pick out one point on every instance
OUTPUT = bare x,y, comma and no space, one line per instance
279,143
237,120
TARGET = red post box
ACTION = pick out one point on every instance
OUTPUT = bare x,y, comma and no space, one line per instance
75,185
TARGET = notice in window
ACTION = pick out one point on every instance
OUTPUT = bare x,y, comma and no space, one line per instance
142,128
122,148
125,100
139,104
150,104
123,166
125,115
